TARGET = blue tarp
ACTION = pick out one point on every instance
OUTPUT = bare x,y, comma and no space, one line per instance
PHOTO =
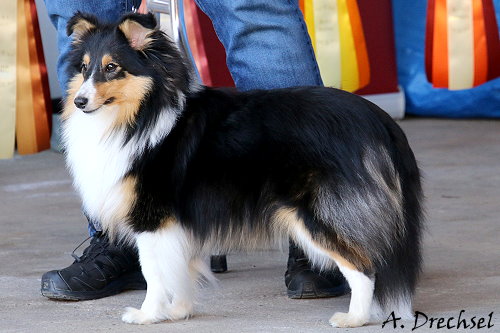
421,98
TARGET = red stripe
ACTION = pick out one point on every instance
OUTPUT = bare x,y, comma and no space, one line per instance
480,49
429,36
195,39
376,18
492,39
215,53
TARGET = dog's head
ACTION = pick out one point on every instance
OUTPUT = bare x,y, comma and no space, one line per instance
119,66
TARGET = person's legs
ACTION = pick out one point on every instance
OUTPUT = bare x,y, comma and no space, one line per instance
104,269
268,46
266,42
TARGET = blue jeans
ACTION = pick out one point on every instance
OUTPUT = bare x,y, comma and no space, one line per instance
266,41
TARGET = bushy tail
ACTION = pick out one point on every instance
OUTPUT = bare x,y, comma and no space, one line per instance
396,278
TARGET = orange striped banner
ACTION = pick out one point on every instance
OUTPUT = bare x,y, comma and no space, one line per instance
337,36
462,46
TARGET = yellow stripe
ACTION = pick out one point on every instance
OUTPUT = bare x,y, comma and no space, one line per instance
327,42
460,44
350,72
309,18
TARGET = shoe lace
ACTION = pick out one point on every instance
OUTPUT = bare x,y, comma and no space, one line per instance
97,246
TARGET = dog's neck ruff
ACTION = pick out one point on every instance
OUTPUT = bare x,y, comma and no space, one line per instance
99,156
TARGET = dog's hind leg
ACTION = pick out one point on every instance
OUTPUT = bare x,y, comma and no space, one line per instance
362,287
322,255
165,257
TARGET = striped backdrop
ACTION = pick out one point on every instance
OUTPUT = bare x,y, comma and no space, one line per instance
462,43
336,32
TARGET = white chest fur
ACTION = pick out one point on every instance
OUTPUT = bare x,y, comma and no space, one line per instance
97,160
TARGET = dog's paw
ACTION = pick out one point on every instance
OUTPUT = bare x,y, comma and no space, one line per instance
341,319
180,311
136,316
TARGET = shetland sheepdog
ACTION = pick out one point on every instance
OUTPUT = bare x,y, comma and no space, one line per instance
180,170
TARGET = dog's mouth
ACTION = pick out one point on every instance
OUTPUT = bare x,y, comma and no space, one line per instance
91,111
106,102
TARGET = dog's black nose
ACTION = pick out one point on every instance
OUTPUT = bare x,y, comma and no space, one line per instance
81,102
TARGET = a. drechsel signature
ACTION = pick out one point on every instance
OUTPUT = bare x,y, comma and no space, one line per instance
459,322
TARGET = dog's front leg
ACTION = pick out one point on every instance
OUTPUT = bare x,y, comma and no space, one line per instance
164,257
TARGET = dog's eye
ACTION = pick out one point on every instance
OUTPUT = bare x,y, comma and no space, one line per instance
111,67
83,68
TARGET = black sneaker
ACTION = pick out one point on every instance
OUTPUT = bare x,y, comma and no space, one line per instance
304,281
104,269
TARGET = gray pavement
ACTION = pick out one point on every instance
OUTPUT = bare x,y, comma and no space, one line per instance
41,223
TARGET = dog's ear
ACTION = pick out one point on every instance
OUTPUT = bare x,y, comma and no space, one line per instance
80,24
138,29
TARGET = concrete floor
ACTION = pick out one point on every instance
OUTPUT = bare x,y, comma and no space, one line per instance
41,223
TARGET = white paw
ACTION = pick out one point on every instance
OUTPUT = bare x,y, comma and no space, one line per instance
341,319
179,311
136,316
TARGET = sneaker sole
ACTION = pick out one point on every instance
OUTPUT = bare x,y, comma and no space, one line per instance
308,290
127,282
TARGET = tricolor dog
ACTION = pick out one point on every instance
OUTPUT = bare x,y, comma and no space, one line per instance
182,170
